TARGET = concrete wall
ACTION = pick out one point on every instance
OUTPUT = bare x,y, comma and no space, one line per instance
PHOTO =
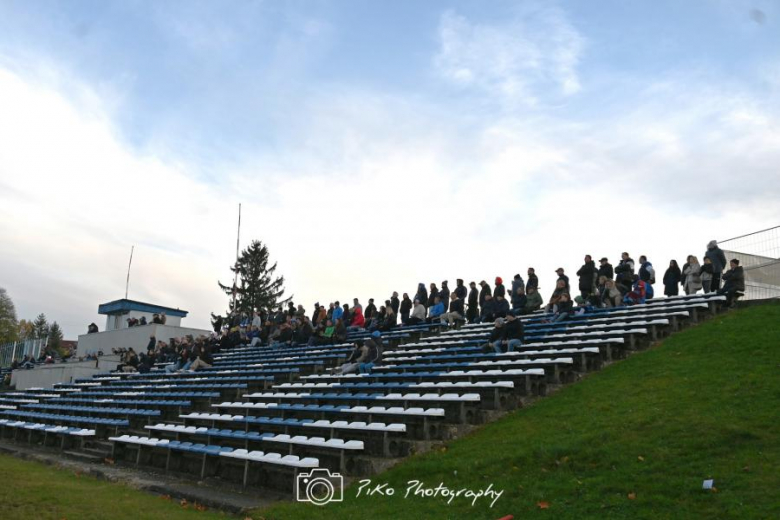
133,337
44,376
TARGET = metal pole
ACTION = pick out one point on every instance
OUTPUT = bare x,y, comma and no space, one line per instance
238,237
127,284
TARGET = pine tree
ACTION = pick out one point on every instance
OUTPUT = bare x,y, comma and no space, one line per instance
256,287
40,327
55,336
9,328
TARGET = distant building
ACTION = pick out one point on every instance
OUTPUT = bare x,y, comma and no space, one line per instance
119,311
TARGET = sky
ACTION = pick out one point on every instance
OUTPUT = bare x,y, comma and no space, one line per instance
372,145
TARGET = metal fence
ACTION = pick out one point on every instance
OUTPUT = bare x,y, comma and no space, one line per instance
16,350
759,256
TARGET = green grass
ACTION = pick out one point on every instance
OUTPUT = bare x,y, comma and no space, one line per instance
633,441
34,491
704,404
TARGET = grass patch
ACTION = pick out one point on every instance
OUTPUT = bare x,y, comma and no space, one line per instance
633,441
31,490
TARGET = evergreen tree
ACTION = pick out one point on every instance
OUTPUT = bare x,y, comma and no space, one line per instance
40,327
9,327
256,287
55,336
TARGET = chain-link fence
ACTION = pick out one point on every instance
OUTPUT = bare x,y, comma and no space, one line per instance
759,256
16,350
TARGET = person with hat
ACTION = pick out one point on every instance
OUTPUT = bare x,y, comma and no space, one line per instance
460,289
560,289
718,259
605,269
374,354
500,290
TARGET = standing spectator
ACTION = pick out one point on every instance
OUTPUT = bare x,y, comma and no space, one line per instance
718,259
395,303
706,275
337,312
163,318
422,294
406,308
533,281
460,289
418,313
500,290
92,329
370,309
444,295
587,274
455,313
562,276
625,273
433,295
484,292
646,271
356,303
692,274
473,311
605,269
672,278
735,282
517,281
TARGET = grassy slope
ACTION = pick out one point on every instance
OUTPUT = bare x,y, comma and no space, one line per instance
705,404
30,490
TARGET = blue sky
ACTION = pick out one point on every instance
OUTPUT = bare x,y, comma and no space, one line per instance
382,135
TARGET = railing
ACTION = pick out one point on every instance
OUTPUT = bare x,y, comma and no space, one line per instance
759,255
16,350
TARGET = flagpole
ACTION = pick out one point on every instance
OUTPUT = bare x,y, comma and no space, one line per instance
238,238
127,284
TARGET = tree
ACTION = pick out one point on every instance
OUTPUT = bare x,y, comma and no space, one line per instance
256,287
40,327
9,328
26,330
55,336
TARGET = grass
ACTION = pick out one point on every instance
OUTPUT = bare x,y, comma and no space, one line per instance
31,490
635,440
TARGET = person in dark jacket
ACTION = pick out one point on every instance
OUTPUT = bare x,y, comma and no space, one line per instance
502,307
500,290
718,259
734,280
432,295
487,310
605,269
625,273
562,276
455,313
533,280
565,308
587,274
473,311
395,303
484,291
444,295
422,294
517,281
460,289
374,355
406,308
513,335
497,335
672,278
519,299
152,343
370,309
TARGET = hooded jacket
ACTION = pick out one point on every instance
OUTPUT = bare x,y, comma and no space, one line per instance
716,256
422,295
500,290
587,274
444,296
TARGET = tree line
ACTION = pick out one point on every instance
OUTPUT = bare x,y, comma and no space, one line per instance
13,329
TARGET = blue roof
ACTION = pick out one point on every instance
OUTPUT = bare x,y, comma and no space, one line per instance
124,306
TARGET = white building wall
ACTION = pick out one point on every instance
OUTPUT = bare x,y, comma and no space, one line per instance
133,337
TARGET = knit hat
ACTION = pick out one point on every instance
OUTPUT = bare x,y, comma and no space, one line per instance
713,244
499,280
376,334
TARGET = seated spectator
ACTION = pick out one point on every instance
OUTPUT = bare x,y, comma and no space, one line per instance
497,335
610,296
560,289
130,361
390,321
514,333
533,300
325,336
163,318
519,299
564,308
502,306
202,359
339,331
132,322
488,310
156,319
374,354
92,329
142,321
304,331
435,312
455,313
638,294
284,337
418,313
358,320
355,358
734,280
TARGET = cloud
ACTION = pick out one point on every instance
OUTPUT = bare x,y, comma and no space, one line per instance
518,60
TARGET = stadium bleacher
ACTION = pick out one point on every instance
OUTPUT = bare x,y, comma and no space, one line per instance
260,415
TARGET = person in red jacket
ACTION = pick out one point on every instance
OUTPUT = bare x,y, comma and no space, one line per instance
358,321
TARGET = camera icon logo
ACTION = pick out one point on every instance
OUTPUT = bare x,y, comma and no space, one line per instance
319,487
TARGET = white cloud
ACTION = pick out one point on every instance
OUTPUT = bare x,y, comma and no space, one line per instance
518,60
